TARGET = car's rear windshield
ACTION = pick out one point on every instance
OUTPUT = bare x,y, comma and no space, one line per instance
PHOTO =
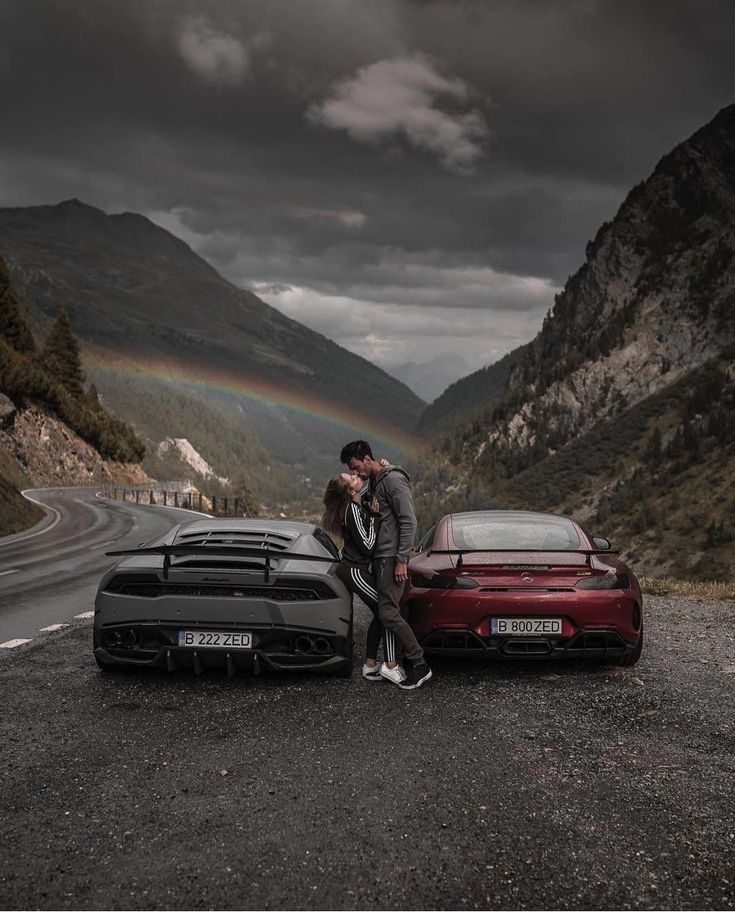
486,533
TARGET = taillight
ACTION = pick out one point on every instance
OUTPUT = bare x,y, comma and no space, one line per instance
443,582
605,582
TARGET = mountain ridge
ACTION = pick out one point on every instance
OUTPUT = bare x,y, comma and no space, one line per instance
133,289
627,322
470,396
71,215
651,307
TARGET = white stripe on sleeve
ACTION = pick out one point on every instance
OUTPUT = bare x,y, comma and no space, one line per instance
366,531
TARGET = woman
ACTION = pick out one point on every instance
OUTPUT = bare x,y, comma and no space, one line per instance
345,515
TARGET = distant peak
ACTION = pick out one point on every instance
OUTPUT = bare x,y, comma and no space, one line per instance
134,216
74,203
726,113
721,127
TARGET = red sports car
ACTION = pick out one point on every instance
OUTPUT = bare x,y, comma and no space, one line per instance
522,585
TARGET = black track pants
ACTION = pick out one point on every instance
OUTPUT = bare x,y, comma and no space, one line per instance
361,582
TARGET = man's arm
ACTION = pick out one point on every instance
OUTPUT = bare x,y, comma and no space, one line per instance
401,500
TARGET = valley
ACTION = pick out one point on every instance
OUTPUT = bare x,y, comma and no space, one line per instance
618,413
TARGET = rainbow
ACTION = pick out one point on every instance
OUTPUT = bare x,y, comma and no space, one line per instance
221,382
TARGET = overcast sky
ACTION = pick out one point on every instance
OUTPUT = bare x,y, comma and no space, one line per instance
408,178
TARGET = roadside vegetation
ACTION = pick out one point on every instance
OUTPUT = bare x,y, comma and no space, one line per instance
670,586
16,513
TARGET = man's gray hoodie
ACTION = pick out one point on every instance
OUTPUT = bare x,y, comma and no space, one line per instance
397,529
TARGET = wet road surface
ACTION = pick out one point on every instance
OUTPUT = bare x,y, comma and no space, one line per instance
49,574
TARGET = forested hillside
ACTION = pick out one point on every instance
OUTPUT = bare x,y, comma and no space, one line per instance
48,377
51,375
469,400
159,325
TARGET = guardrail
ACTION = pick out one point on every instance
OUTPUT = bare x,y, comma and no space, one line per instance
214,505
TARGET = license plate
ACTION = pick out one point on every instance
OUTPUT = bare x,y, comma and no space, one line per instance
533,627
228,640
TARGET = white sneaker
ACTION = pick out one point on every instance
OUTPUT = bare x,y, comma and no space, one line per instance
371,673
395,675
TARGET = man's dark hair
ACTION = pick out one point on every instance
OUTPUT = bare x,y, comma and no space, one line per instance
356,450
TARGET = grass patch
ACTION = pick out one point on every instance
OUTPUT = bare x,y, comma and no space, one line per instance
669,586
16,513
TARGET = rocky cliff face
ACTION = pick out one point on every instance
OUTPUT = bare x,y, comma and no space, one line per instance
654,299
47,453
621,412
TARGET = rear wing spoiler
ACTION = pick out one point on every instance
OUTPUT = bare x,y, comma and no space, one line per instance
177,551
588,552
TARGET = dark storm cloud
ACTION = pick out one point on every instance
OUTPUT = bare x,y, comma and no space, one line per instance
405,159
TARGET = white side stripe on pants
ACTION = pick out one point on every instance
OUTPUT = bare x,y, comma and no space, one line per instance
363,584
389,638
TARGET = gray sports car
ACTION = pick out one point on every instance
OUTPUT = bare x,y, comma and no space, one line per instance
227,593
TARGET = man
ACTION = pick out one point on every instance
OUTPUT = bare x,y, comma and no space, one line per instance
390,494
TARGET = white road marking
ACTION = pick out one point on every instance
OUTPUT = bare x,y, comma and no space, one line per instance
102,544
57,515
17,642
57,627
85,615
14,571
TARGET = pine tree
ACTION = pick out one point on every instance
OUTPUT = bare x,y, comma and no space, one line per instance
710,539
62,358
243,491
13,326
691,439
93,398
653,448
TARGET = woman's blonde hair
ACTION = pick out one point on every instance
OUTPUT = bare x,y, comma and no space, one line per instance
336,498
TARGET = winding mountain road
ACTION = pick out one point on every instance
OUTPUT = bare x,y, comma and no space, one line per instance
49,574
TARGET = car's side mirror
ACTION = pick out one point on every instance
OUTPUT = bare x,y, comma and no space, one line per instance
602,543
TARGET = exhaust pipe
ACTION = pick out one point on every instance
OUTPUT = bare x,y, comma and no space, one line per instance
304,644
121,637
322,645
112,638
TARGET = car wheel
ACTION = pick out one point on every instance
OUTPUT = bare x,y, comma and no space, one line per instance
345,670
630,659
108,668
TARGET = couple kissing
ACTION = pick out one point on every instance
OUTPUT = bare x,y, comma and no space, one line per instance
371,508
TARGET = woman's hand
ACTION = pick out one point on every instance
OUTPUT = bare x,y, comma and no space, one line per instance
383,462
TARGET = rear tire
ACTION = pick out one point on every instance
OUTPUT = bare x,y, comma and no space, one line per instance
108,668
345,670
103,667
630,659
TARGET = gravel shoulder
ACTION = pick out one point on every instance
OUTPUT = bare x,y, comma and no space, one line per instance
524,786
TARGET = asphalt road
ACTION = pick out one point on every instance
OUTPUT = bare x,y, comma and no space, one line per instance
508,787
49,574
